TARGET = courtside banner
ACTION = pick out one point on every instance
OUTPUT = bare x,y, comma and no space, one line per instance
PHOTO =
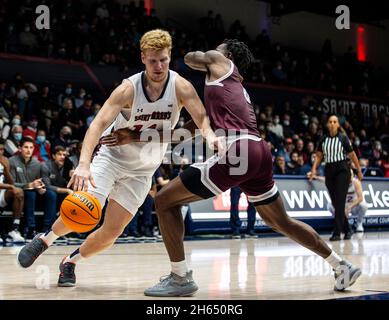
329,102
303,200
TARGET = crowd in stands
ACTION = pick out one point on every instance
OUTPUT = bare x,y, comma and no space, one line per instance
108,33
41,131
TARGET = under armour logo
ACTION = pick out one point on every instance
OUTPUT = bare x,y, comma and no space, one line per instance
170,105
139,110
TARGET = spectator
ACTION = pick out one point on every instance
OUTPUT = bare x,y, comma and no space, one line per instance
67,94
10,194
56,174
96,109
68,116
276,128
79,100
85,111
12,143
64,138
26,173
42,147
75,156
286,127
293,167
279,166
31,129
300,150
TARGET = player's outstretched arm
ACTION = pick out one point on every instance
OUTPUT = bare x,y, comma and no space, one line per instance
201,61
120,97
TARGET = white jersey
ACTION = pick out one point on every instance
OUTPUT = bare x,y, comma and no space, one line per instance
143,158
352,193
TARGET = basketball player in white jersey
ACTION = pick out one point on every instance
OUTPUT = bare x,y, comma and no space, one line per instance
355,201
149,99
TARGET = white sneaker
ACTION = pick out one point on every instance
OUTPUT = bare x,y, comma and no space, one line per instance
359,228
1,241
15,236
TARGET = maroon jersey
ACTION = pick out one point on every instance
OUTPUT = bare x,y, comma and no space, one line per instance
228,104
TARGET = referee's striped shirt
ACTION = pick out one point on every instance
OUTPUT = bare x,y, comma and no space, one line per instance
335,148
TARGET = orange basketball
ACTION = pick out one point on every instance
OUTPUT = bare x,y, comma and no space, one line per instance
80,211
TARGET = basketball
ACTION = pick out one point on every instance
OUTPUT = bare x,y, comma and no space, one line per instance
80,211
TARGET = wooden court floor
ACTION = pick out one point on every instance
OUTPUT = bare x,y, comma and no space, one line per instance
263,268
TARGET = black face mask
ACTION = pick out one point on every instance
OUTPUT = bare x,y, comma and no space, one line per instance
67,136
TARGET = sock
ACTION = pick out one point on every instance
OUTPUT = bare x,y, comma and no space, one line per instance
333,259
179,268
74,257
15,225
49,237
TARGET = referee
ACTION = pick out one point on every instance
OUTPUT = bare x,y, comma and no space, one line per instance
334,147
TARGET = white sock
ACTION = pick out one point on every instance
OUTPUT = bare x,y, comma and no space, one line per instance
180,268
74,257
49,237
333,259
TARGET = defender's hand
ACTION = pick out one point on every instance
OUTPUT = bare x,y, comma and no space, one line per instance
120,137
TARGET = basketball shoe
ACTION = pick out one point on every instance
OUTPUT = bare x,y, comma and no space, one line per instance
173,286
346,275
67,277
31,251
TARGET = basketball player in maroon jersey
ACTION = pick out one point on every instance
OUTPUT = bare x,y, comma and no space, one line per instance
229,108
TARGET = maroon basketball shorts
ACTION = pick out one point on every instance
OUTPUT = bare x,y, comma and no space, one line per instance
247,164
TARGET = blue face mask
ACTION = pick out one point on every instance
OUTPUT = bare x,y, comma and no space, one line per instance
18,136
40,139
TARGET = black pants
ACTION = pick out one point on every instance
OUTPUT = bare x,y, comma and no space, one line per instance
338,177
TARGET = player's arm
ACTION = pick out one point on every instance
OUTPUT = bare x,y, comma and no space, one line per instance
7,175
201,61
119,98
188,97
126,135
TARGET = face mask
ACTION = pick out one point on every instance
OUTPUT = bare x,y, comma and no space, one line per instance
40,139
17,136
68,90
286,122
82,95
357,142
305,122
261,127
16,121
67,136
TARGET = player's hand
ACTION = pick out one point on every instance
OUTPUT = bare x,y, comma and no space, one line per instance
360,175
69,191
219,144
80,178
120,137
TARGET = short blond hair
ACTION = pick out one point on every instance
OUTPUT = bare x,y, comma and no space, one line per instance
157,39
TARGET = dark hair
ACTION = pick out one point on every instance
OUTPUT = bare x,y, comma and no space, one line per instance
241,54
2,141
58,149
26,139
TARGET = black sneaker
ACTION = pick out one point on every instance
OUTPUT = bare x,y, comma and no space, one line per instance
31,251
236,235
251,234
67,277
335,237
135,234
148,233
347,235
